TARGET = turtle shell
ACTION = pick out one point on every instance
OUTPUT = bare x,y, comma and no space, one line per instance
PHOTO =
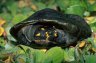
63,29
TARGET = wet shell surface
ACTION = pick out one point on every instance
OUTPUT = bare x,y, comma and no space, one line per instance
48,28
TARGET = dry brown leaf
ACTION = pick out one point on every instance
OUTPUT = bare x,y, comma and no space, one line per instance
94,49
1,31
90,18
21,4
34,7
91,1
2,21
82,44
8,60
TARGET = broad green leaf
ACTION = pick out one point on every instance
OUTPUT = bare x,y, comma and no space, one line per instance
25,11
63,4
40,5
29,56
6,16
75,9
90,58
54,55
91,6
78,54
2,43
38,56
20,58
18,18
13,7
69,54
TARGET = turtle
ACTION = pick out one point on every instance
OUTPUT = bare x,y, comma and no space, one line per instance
48,28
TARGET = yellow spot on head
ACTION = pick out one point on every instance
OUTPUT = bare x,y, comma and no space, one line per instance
55,34
38,34
42,29
47,36
37,41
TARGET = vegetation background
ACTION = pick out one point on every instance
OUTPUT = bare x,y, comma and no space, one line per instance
14,11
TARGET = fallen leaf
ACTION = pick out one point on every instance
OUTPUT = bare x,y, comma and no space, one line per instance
34,7
2,21
8,60
91,1
94,49
95,35
1,31
88,19
21,4
82,44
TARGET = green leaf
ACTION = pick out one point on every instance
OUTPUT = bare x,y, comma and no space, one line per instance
6,16
63,4
2,43
75,9
13,7
28,56
38,56
54,55
69,54
25,11
20,58
18,18
78,54
90,7
40,5
90,58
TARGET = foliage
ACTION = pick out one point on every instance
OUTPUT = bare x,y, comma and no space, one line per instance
14,11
